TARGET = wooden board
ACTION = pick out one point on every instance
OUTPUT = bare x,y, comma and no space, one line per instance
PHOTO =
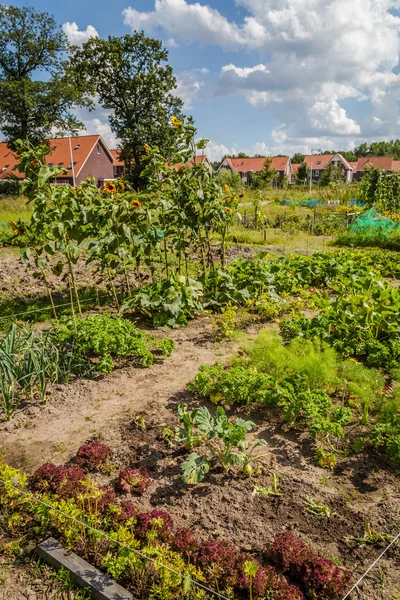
83,574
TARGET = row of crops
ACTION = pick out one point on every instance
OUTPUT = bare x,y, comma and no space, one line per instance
330,372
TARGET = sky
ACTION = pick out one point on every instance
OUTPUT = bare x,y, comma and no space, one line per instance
263,76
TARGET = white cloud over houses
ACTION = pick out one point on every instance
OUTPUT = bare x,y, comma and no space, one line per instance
215,152
77,37
189,84
300,61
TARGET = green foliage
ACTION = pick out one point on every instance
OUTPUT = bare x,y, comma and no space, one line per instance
314,361
380,188
386,431
224,440
333,175
167,303
230,178
361,323
28,363
107,338
35,93
130,76
372,238
298,158
303,173
266,177
238,385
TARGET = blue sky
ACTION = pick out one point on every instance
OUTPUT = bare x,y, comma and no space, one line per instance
269,76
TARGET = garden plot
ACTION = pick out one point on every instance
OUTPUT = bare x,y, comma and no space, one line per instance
198,462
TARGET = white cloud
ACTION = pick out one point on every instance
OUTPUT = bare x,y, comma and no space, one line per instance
97,126
196,22
77,37
215,152
171,43
320,53
189,85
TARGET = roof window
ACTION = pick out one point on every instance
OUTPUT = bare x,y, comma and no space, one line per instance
318,162
70,165
60,164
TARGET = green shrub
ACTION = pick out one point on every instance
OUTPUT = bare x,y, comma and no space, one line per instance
102,339
167,303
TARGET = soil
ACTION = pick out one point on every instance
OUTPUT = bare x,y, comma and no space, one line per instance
362,487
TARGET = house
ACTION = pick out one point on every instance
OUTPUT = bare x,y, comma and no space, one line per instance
246,166
118,164
318,162
295,168
83,156
382,162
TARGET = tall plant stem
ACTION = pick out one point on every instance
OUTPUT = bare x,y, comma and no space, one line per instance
73,281
72,306
223,246
166,257
49,293
113,289
128,287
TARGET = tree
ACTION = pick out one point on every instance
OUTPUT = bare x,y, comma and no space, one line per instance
242,155
333,174
349,156
303,174
35,94
130,77
268,174
265,177
231,178
298,158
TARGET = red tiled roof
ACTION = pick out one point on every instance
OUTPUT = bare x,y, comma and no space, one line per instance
396,165
7,162
383,162
353,165
320,161
60,154
243,165
117,162
295,168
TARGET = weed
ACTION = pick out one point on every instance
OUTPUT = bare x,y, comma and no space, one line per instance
320,510
273,490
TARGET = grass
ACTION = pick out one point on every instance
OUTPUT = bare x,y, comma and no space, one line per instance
372,239
13,208
344,193
299,242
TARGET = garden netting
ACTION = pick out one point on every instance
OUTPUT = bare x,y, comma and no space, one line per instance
373,222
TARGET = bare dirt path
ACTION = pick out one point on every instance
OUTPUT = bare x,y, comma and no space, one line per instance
86,408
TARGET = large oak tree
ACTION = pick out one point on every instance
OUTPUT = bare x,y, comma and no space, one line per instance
36,96
130,76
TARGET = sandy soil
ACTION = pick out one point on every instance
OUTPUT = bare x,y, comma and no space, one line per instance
86,407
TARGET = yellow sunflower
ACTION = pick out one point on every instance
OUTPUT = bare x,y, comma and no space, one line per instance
176,122
228,211
147,149
110,187
136,204
226,187
121,186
